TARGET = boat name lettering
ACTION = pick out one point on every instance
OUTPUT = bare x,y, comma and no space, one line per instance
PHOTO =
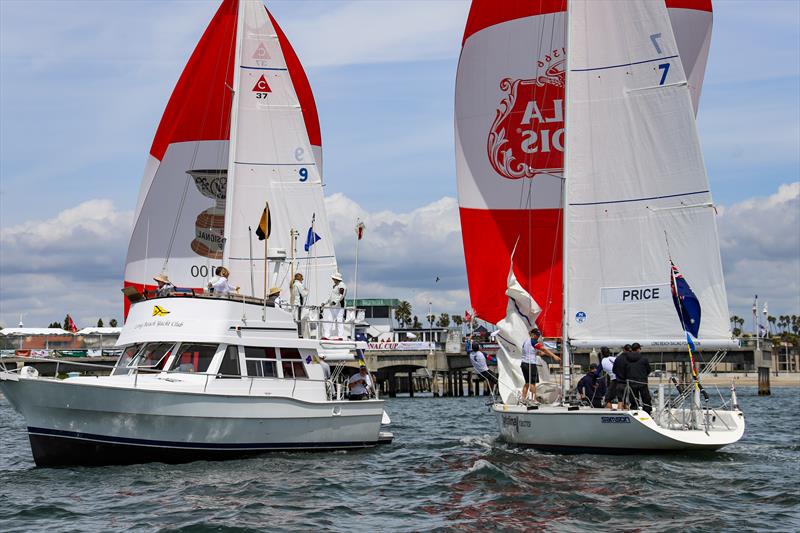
615,420
515,422
636,294
159,323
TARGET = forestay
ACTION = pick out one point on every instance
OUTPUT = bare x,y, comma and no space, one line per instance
635,181
509,131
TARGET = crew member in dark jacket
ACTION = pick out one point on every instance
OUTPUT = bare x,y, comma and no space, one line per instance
591,387
637,369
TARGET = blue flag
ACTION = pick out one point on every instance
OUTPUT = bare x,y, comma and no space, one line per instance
686,303
311,238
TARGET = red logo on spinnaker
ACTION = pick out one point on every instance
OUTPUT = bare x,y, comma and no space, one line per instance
527,136
262,86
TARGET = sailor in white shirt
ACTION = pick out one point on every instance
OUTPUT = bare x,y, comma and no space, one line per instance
478,360
334,309
298,296
219,283
360,384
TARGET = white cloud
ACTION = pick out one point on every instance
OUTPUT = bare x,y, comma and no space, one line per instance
402,254
760,241
72,262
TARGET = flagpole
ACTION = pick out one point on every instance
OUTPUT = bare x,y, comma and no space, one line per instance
355,282
266,252
252,275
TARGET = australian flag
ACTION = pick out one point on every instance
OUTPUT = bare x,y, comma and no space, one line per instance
686,303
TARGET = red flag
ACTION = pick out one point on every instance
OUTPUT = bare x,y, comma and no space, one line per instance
70,325
467,317
360,227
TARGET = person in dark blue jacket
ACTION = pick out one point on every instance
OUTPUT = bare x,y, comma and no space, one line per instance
591,388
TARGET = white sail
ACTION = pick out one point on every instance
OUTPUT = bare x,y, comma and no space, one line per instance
635,181
190,198
521,314
272,161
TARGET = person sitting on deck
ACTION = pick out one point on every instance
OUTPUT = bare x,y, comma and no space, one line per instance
591,388
165,286
478,360
637,368
360,384
530,358
219,283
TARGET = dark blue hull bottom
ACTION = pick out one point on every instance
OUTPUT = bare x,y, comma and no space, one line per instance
53,448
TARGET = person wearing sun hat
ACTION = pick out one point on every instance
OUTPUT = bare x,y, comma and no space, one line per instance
165,286
334,309
275,297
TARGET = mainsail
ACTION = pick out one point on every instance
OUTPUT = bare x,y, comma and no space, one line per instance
509,129
637,190
197,199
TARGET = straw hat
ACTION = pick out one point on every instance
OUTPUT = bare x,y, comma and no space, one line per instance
162,278
336,276
224,272
274,291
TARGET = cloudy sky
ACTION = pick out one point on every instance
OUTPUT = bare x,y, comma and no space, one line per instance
83,85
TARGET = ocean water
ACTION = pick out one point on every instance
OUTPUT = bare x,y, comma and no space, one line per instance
446,470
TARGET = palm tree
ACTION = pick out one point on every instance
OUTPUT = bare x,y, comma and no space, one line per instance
771,320
457,320
113,322
444,320
430,318
402,313
416,324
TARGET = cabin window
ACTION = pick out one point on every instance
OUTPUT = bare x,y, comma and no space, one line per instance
194,357
261,362
290,353
154,355
229,367
124,362
292,364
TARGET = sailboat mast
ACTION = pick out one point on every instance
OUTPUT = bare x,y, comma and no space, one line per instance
237,63
566,356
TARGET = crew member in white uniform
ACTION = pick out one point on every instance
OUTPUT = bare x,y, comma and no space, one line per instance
360,384
219,284
334,309
297,297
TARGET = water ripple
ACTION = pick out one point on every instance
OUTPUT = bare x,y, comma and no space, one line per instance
446,471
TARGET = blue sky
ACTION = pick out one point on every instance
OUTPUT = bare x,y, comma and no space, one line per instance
83,85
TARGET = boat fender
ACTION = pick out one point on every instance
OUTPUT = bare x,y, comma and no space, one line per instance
29,372
573,408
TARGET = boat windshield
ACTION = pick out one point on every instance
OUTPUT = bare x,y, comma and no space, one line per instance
153,355
124,362
193,357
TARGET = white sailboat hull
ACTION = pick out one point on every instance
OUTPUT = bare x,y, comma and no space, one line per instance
78,423
557,428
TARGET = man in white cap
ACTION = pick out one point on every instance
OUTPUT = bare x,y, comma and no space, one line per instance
334,309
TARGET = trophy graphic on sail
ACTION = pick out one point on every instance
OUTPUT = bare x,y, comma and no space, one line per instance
210,224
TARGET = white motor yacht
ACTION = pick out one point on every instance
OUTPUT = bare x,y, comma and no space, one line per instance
199,378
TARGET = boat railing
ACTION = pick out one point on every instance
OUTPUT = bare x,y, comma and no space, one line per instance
335,389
